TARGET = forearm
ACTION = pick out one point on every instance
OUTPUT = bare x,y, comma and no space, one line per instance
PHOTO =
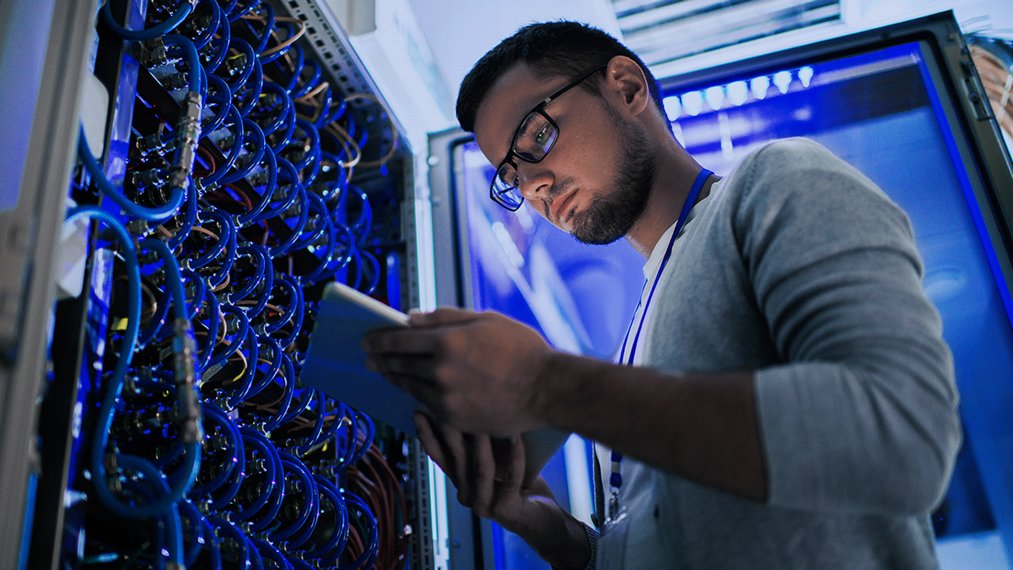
702,427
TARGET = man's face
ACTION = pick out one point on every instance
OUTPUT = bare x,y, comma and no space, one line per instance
595,180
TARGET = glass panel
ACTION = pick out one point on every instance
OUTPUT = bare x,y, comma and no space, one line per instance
523,266
535,137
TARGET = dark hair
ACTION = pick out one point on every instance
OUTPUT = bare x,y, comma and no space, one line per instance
566,49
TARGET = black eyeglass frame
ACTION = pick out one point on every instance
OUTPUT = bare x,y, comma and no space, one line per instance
539,109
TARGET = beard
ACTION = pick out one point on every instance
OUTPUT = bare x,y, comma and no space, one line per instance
610,217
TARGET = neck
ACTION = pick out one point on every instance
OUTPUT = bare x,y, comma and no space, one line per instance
674,174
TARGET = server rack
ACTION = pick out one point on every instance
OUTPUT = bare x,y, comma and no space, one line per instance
47,416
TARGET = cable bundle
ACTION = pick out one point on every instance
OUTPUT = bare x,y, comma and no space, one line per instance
237,205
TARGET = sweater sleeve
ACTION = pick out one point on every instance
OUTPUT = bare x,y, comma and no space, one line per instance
861,416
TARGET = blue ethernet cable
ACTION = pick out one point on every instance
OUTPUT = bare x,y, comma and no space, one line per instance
239,9
371,552
220,45
270,552
249,94
309,494
220,95
189,211
301,218
247,70
228,530
256,254
170,514
177,17
191,57
241,393
290,379
270,185
219,357
282,98
155,214
191,461
235,449
197,527
236,149
335,544
204,37
265,35
252,160
318,425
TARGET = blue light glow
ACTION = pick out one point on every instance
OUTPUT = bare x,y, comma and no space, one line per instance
759,86
715,97
782,80
738,92
805,75
673,107
692,102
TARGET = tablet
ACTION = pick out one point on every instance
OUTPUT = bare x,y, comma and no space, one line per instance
336,364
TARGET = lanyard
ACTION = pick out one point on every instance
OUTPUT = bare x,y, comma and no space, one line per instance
616,478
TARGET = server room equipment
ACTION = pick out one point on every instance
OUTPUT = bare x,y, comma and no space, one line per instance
235,159
902,103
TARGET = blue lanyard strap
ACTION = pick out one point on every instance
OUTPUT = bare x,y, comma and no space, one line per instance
694,192
616,478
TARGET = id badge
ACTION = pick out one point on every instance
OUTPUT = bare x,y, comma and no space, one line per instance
612,543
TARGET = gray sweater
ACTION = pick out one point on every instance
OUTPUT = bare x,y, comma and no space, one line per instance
799,268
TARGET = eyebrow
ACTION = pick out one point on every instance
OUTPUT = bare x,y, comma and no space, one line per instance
569,85
524,117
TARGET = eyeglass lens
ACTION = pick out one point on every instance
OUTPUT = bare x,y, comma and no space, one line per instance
535,138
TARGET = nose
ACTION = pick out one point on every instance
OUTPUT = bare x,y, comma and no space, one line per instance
535,180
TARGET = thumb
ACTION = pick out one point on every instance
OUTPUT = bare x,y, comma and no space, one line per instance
441,316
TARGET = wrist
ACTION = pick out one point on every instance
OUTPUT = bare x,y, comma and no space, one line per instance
558,538
545,389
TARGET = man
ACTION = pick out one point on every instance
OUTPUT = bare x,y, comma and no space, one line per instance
783,398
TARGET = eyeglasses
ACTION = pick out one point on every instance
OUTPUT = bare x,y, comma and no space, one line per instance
532,141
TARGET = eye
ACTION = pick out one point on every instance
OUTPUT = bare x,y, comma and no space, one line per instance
542,135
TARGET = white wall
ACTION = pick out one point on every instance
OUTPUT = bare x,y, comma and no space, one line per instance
459,32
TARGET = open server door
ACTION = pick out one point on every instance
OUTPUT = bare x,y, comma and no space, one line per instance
217,162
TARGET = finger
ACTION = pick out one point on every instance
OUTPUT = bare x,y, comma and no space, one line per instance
420,366
454,445
515,471
431,443
483,473
400,341
441,316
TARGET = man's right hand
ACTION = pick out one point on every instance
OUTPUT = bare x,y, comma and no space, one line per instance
489,476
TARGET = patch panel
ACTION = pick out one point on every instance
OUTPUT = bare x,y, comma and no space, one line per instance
244,175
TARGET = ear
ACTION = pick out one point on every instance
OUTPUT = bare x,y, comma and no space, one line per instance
626,82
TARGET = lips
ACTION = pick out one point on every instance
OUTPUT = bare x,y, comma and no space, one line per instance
560,206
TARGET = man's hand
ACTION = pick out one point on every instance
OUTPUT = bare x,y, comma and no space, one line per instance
475,371
489,478
488,474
